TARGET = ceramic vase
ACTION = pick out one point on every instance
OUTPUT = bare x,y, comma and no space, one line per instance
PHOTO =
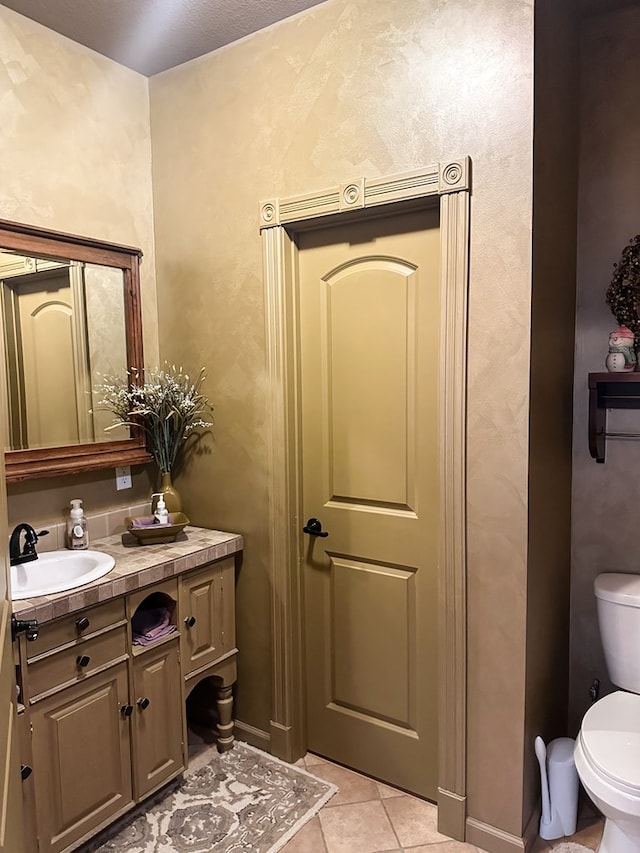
170,494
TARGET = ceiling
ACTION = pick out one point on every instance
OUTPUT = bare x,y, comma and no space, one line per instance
153,35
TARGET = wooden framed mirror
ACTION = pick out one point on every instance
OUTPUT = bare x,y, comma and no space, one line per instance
71,318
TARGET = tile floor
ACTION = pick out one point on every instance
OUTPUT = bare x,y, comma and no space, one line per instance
366,816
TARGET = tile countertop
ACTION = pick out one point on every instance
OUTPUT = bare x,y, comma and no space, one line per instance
136,566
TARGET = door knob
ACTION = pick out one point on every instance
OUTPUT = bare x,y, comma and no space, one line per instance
314,528
190,621
143,704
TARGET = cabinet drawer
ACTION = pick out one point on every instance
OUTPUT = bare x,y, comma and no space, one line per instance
69,666
71,628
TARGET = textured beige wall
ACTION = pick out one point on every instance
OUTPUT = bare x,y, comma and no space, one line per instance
605,497
106,340
553,320
75,141
75,157
359,88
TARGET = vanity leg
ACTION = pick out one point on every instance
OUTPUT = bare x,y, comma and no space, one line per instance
224,703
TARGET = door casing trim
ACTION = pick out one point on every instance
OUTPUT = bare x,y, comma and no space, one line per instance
446,183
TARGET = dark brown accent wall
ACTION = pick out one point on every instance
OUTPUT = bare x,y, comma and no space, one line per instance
605,496
555,182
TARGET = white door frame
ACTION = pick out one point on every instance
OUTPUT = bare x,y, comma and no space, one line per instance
446,183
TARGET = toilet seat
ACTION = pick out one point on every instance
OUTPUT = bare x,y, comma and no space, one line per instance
610,740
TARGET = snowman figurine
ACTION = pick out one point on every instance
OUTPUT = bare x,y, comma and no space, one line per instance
622,355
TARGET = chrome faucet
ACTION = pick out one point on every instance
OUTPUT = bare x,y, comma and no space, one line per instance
28,552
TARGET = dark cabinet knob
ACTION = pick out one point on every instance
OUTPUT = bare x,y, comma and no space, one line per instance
126,710
83,660
143,704
190,621
82,624
25,771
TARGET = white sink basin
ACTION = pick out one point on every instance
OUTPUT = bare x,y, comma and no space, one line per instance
58,571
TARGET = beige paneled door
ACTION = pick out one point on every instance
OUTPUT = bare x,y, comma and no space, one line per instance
369,302
46,326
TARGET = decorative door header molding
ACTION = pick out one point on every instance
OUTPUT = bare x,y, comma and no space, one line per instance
434,180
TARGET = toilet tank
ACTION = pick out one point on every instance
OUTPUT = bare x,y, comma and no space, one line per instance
618,599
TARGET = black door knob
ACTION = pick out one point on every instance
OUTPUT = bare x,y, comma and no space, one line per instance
143,704
314,528
83,660
82,624
190,621
126,710
25,771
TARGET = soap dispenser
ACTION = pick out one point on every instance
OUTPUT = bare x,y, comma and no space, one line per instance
77,535
161,514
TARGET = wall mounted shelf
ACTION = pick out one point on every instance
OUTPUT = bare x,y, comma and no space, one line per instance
609,391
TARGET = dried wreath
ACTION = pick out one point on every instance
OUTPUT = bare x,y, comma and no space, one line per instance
623,294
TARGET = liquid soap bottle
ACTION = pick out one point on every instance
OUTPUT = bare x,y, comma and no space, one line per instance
77,535
161,514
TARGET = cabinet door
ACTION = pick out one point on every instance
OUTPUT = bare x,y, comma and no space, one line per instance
157,718
81,758
28,790
201,611
11,814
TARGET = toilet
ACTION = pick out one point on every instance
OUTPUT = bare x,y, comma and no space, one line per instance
607,751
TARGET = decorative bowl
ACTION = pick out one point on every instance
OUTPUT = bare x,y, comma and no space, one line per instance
148,532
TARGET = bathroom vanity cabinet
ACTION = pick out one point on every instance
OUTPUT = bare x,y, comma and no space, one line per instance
102,720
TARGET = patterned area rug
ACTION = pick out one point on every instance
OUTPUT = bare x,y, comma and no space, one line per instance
570,847
239,801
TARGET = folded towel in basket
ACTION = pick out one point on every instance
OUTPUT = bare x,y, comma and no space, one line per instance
150,624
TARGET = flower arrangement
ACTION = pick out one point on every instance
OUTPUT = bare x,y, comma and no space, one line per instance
166,404
623,294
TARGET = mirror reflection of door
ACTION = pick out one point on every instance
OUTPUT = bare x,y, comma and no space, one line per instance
64,333
46,377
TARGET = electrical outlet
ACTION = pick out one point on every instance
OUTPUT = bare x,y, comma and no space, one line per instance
123,477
